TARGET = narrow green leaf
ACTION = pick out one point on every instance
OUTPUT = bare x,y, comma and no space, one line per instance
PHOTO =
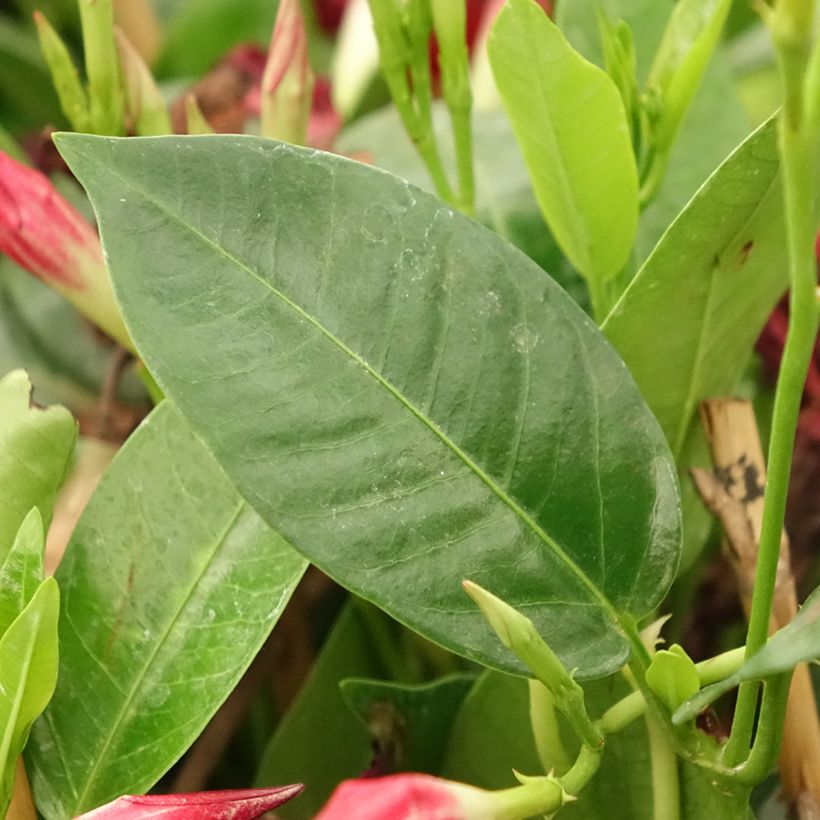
171,584
716,121
419,401
797,642
689,40
570,122
619,61
144,102
21,573
687,323
64,75
28,673
35,451
105,96
409,723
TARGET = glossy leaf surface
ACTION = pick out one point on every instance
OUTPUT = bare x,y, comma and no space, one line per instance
21,573
570,123
797,642
504,198
170,585
28,673
687,323
406,397
35,451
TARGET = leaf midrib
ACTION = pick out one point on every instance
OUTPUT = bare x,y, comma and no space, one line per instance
507,500
102,755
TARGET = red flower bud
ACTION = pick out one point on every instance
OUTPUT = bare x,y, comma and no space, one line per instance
45,235
411,796
233,804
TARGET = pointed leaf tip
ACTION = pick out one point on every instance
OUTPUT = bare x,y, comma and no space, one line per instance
231,804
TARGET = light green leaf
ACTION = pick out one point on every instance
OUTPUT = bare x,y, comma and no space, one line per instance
570,122
405,396
713,127
672,676
21,573
35,452
28,673
171,583
689,41
797,642
687,323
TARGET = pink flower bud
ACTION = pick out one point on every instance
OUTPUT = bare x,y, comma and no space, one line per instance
233,804
411,796
287,84
42,233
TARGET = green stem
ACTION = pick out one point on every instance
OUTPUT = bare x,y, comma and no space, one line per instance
796,152
665,781
463,142
769,735
545,729
582,770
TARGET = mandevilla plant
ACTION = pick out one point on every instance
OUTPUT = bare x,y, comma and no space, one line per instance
363,499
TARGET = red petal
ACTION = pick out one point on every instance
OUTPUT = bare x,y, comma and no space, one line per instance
233,804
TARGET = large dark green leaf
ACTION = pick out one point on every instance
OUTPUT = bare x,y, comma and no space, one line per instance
687,322
170,585
35,452
405,396
504,198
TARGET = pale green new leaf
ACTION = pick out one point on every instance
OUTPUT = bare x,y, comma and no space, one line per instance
35,452
28,673
795,643
405,396
569,120
672,676
21,573
171,583
689,40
